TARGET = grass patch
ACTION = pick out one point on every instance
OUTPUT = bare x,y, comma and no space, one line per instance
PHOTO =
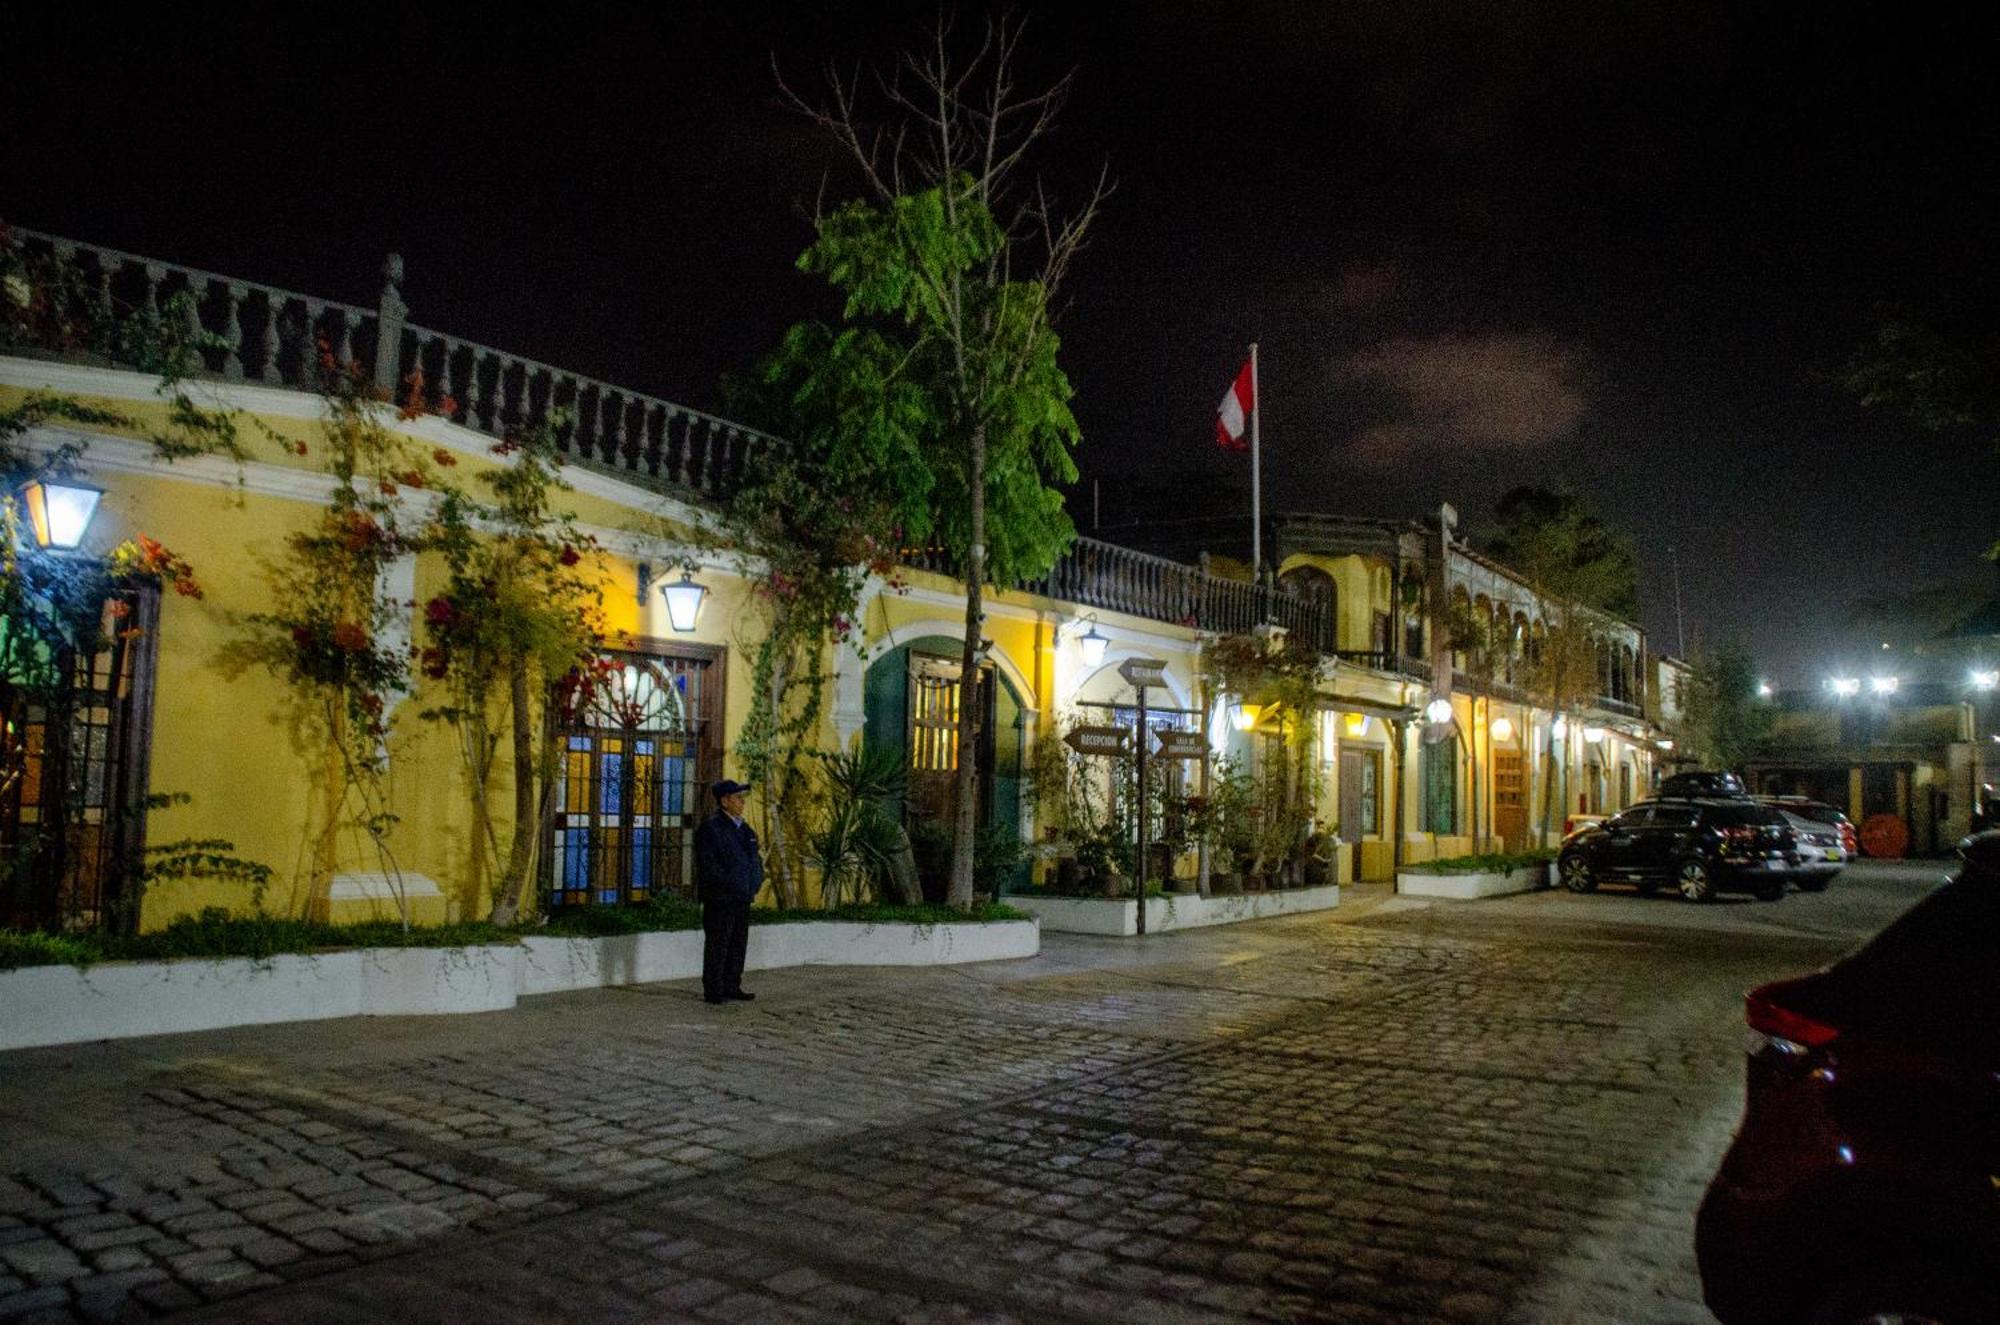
1124,894
214,933
1493,862
870,913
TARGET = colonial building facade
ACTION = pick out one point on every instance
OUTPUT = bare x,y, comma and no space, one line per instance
177,738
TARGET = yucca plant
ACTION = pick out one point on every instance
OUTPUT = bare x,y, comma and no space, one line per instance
858,843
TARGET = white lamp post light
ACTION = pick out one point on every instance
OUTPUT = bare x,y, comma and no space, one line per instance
684,599
59,512
1091,645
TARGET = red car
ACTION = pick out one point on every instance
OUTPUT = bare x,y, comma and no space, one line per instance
1864,1182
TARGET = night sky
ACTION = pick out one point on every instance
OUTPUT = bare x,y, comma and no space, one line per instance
1623,248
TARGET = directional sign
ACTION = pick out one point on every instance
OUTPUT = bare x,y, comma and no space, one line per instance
1178,745
1116,741
1144,671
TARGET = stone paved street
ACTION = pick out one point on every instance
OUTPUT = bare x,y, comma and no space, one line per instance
1499,1111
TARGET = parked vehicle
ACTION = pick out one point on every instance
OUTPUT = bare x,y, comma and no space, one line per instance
1702,784
1700,846
1821,855
1819,812
1581,820
1860,1185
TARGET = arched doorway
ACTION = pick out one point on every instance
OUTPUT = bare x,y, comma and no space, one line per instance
911,707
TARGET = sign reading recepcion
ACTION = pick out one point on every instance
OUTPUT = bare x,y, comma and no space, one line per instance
1113,741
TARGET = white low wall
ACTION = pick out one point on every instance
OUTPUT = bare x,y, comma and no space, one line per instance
549,965
42,1005
1467,887
1120,916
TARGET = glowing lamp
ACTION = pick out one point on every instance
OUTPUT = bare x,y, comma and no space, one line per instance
1986,680
1438,710
684,599
1882,685
1091,645
1559,729
59,512
1502,729
1242,716
1765,690
1845,685
1593,734
1357,724
1666,744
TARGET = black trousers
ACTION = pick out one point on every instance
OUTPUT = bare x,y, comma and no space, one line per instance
725,928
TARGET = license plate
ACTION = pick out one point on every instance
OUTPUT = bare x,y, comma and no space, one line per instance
1833,853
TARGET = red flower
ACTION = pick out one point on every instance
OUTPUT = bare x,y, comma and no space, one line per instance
439,611
442,458
568,556
350,636
303,637
435,663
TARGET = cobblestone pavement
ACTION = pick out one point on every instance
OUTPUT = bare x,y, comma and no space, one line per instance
1500,1111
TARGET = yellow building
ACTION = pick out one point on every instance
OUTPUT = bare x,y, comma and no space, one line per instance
176,714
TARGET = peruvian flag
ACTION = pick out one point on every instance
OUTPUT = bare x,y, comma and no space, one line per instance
1233,417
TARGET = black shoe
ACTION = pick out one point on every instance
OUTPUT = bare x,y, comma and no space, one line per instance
742,997
714,998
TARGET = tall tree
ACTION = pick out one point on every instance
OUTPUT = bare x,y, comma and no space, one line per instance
1580,568
950,261
1723,719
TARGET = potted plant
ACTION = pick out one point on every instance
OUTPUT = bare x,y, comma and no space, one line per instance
1321,849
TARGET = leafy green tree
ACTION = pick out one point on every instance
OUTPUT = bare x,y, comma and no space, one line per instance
1580,568
947,267
1723,720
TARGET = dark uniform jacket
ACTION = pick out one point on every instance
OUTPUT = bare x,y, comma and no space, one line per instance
727,865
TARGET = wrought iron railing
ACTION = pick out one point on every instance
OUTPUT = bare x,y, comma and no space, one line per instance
1119,579
81,295
1380,660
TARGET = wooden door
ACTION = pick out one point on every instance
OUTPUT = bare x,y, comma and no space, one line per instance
1510,799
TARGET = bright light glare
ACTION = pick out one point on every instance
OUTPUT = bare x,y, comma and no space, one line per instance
1845,685
1882,685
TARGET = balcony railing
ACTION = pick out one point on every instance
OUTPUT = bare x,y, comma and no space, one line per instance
81,297
1119,579
1417,669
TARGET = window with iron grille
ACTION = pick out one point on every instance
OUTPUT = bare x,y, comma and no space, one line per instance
933,738
633,781
1440,778
73,763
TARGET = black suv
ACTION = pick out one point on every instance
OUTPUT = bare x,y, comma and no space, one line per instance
1701,845
1860,1187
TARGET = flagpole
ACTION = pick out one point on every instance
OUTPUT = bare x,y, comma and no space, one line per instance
1256,476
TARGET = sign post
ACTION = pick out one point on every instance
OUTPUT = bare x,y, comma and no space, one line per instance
1140,673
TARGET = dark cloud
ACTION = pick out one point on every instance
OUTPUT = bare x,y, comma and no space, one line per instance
1495,392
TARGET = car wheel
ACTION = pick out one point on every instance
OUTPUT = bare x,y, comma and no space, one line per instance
1907,1295
1576,877
1814,885
1771,892
1694,880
